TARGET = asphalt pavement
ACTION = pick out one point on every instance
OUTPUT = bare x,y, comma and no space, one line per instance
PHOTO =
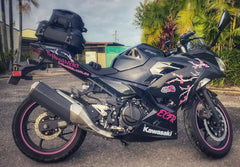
99,152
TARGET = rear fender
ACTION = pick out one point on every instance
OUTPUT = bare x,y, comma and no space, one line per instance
22,69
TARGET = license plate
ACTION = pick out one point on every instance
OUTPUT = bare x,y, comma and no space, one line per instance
13,80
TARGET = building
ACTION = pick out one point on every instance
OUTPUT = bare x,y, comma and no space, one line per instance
94,51
28,36
15,37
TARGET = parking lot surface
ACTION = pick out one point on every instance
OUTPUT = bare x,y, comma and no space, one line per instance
96,151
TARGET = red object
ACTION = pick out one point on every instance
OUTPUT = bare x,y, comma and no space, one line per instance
17,73
36,50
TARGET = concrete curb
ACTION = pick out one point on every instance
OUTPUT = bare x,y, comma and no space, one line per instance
48,74
226,90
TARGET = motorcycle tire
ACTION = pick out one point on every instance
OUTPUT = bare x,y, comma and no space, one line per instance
213,139
50,146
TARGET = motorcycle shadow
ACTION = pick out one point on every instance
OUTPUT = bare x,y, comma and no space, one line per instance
96,149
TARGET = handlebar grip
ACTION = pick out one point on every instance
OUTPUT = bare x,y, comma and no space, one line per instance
187,35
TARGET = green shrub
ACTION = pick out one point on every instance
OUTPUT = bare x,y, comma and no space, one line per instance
231,58
24,57
2,67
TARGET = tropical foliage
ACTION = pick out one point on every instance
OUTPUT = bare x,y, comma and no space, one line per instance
202,16
6,54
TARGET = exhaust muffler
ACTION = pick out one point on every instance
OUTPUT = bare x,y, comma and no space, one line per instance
65,107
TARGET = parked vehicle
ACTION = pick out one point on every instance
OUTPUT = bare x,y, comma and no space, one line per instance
144,89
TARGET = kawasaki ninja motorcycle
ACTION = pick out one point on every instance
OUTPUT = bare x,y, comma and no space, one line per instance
143,91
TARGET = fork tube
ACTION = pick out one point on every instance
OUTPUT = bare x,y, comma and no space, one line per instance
210,103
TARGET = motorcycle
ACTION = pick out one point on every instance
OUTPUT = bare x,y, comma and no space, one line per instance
143,90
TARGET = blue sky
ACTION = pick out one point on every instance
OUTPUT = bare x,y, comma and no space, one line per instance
101,18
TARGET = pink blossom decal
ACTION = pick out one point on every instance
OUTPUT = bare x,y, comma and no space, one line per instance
198,64
179,78
184,95
167,89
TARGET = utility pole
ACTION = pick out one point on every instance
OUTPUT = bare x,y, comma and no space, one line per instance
115,36
20,30
10,67
4,27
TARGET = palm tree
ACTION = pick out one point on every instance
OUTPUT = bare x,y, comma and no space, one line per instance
203,16
186,14
24,7
150,17
215,8
20,31
4,32
11,35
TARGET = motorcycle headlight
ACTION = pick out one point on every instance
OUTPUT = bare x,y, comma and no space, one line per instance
221,65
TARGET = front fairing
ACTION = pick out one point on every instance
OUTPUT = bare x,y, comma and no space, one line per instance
177,87
207,55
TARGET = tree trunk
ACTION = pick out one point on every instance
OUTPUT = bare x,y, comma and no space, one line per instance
4,34
4,27
11,25
20,30
1,51
11,34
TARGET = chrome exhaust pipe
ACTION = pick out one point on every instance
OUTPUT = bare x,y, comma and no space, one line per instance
65,107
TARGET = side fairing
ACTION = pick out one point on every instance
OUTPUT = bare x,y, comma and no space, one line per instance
174,88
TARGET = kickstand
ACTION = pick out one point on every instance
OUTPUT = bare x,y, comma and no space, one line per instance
124,143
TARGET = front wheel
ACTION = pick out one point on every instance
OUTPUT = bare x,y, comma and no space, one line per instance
211,137
43,136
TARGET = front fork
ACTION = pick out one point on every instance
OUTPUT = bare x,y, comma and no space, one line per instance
210,104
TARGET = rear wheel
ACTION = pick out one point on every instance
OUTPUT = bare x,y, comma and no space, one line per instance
214,138
43,136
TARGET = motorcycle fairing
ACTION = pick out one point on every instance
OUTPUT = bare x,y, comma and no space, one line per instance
149,132
203,53
168,89
135,57
174,88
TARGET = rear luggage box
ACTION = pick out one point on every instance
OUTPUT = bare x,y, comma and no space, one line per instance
72,40
64,28
67,19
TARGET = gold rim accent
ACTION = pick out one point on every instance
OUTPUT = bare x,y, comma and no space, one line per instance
42,136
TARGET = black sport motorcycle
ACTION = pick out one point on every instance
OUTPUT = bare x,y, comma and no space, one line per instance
136,99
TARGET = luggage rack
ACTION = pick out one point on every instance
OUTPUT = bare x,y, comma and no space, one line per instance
60,46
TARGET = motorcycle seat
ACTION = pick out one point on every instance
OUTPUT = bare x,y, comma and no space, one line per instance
96,69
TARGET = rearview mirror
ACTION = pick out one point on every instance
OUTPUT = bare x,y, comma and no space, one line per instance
224,21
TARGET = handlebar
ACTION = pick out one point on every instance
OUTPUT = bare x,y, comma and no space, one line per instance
187,35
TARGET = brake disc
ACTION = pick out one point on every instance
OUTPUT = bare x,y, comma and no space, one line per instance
40,134
212,134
